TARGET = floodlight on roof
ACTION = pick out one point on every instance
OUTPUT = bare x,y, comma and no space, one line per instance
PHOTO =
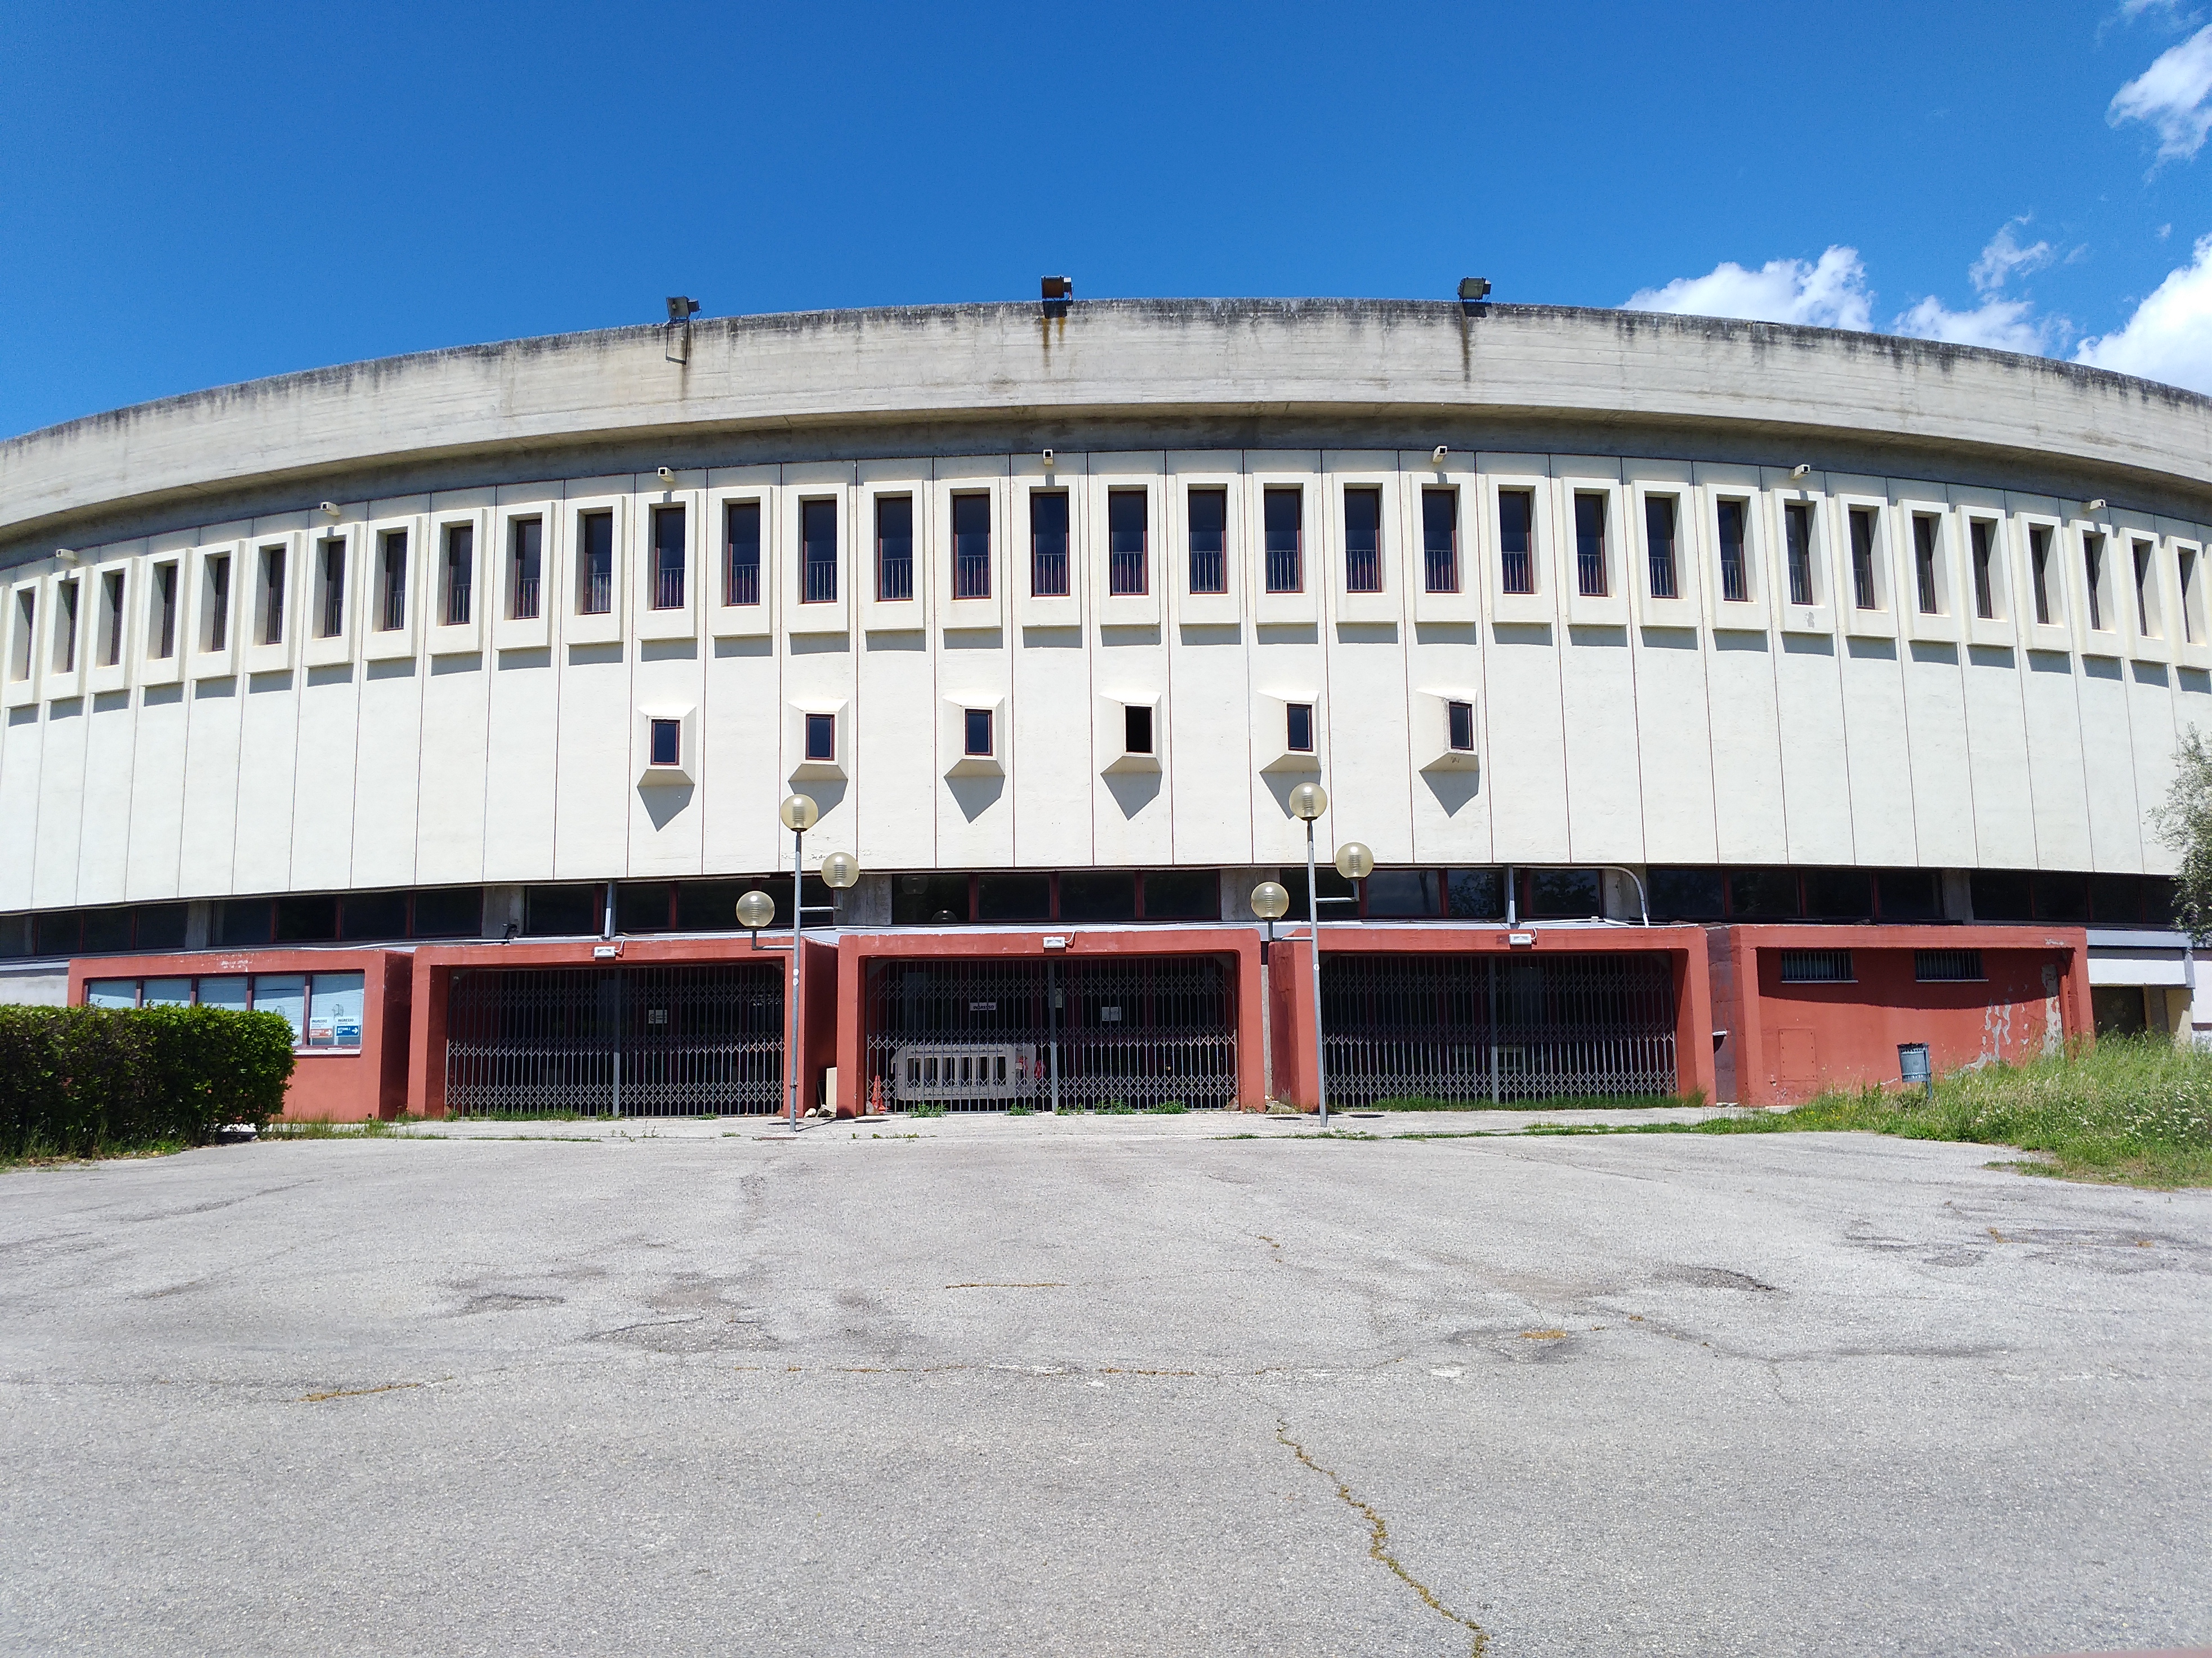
1472,290
681,308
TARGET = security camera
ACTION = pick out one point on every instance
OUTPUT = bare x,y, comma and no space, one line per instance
2096,506
67,554
1049,458
1436,455
328,509
1800,469
668,474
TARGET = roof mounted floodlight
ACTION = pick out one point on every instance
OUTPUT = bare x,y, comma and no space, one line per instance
1057,288
681,308
1801,469
1473,289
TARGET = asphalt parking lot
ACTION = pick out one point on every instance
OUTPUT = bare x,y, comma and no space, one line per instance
1112,1386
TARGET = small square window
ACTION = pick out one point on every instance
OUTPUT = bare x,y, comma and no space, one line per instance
1462,726
978,726
1297,718
821,737
1136,730
667,742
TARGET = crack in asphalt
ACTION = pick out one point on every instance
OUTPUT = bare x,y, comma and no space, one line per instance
1378,1548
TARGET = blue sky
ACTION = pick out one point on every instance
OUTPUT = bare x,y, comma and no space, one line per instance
195,196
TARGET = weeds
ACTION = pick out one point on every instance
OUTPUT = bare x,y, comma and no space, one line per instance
925,1108
1169,1108
1695,1098
1117,1109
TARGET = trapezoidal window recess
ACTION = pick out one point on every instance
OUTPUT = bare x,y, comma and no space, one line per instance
822,737
2192,599
667,742
595,563
741,553
1440,540
976,732
1128,535
2149,622
1926,531
65,627
1797,537
1733,519
817,545
1866,593
1460,717
1298,727
1662,515
1933,966
1817,967
271,630
668,527
22,633
2039,571
111,618
1282,515
459,575
1136,730
1049,573
525,551
1981,542
161,627
330,585
391,583
1207,513
971,546
895,547
1516,552
2092,577
1589,546
1363,541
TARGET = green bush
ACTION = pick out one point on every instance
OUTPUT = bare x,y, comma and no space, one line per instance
88,1081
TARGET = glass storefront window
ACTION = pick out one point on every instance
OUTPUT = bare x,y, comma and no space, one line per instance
285,993
228,990
334,1010
111,992
167,992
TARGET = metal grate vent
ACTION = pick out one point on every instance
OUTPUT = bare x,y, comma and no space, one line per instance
1936,967
1817,967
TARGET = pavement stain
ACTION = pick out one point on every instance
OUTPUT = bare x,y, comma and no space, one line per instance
357,1392
1378,1546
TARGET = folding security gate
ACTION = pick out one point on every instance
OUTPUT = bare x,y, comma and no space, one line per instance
983,1035
1481,1028
624,1042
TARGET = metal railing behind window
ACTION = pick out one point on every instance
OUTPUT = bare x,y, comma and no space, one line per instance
599,591
668,587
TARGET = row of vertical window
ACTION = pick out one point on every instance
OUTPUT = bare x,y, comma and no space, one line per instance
323,1009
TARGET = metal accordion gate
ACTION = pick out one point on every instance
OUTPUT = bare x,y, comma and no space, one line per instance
646,1042
1488,1027
981,1034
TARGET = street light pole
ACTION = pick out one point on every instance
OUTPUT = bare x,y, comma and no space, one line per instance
1308,801
799,813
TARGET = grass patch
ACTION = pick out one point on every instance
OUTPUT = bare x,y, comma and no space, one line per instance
1117,1109
322,1128
1019,1111
1695,1098
925,1109
1169,1108
35,1153
2134,1110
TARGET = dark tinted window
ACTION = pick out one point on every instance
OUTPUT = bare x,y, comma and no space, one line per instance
1474,894
1910,895
1098,895
106,930
1328,884
1686,895
1565,892
1840,895
373,915
1048,545
1181,894
1136,730
1297,719
1013,896
2001,895
241,922
742,548
561,911
708,906
2062,897
1404,892
61,932
307,918
161,927
1516,570
1209,541
2115,899
894,545
1363,541
1756,893
920,900
644,907
817,531
971,546
449,912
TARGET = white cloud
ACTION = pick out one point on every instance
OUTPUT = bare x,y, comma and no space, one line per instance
2005,324
2004,255
2169,338
1829,293
2174,94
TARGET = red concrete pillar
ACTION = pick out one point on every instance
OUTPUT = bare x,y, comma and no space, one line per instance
1251,1072
426,1047
1290,974
852,1033
818,1021
1694,1068
391,992
2075,1005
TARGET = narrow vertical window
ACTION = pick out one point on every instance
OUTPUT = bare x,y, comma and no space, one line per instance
1516,523
526,546
1049,575
1735,584
1363,541
1136,730
668,528
1282,527
331,571
65,628
1461,717
1208,514
977,732
1797,533
1659,521
818,535
1589,546
163,643
391,555
1125,527
460,574
821,737
24,634
595,564
667,742
2092,568
2185,571
1924,531
971,546
2146,623
895,546
216,636
2038,570
741,553
111,618
1862,586
1298,727
273,595
1981,536
1440,540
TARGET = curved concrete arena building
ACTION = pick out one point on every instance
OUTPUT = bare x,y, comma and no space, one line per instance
444,703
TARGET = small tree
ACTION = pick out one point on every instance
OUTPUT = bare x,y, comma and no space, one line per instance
2185,823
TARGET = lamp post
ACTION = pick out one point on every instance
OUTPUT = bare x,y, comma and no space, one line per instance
799,813
1308,802
1271,901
